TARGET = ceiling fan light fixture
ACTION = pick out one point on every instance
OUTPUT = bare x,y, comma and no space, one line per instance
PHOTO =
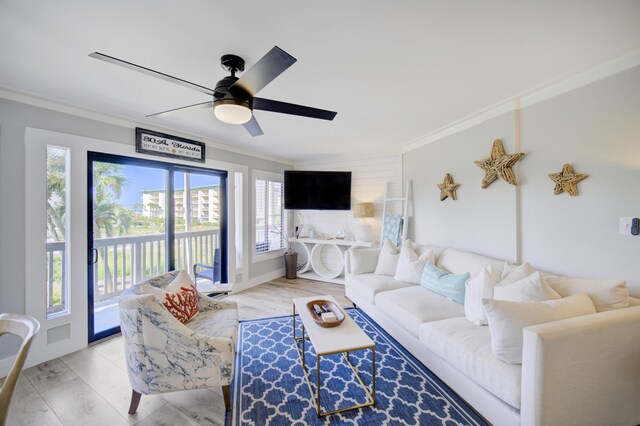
232,111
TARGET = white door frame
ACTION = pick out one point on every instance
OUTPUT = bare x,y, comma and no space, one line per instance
69,332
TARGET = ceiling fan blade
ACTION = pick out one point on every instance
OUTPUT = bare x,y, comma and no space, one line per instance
201,105
149,71
270,66
253,127
292,109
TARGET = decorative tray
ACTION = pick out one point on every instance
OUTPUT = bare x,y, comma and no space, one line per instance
326,306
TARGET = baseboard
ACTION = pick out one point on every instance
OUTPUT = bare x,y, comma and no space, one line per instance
5,365
261,279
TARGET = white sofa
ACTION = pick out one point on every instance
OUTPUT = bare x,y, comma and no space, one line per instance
579,371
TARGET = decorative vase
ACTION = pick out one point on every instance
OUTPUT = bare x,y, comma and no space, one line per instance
363,232
291,265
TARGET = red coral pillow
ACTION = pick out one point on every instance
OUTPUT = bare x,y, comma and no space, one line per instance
180,297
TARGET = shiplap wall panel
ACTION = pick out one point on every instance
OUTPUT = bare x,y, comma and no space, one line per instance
370,173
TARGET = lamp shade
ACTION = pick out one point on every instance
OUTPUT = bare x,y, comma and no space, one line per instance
231,111
363,210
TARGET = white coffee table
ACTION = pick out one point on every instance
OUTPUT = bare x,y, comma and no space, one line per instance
345,338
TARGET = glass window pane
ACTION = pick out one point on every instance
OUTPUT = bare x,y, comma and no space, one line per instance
269,214
197,227
57,230
239,206
129,222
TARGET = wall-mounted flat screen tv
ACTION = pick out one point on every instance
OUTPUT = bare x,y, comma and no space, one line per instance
309,190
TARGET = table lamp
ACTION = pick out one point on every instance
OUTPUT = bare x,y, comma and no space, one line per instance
362,231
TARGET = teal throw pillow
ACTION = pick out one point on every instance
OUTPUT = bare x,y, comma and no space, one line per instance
448,285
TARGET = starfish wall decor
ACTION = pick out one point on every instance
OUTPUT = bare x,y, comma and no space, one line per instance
448,188
499,165
567,180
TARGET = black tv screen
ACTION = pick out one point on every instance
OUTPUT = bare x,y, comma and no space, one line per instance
306,190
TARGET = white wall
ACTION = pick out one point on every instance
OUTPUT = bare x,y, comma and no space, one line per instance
370,173
596,128
480,220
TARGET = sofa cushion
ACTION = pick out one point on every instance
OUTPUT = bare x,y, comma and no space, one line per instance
388,259
467,347
412,306
363,260
451,286
606,295
459,262
368,285
513,273
422,248
507,320
180,296
478,288
411,264
219,323
532,288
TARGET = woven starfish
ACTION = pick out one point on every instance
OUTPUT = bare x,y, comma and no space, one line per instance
448,188
567,180
499,165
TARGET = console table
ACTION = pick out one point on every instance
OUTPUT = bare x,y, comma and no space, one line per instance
323,259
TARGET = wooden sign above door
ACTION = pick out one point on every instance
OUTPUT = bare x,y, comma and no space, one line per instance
155,143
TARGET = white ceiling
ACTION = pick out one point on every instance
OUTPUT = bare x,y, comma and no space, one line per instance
394,71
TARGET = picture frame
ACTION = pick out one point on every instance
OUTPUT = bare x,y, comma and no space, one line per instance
164,145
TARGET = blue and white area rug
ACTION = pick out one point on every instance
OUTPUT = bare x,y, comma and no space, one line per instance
269,387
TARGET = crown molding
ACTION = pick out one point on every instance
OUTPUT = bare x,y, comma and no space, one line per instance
349,156
530,97
54,105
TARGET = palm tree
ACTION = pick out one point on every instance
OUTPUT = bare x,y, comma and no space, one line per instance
56,165
104,218
108,180
108,184
124,219
155,209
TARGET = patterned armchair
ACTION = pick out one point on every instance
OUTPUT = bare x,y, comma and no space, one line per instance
164,355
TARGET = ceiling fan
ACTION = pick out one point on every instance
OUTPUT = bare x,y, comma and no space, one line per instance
234,98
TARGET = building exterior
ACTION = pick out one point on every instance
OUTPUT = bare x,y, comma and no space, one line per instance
205,203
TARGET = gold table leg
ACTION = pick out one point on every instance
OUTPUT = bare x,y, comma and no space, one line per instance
371,393
318,386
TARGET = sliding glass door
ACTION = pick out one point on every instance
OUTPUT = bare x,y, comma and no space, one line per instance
198,200
146,218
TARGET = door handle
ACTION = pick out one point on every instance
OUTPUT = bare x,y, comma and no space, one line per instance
93,257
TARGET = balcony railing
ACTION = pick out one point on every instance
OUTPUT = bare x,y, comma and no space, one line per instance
125,261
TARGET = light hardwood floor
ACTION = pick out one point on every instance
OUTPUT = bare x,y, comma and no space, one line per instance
90,387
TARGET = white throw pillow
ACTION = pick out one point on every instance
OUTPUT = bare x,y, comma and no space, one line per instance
363,260
508,319
420,249
513,273
459,262
410,265
478,288
388,259
606,295
180,297
532,289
